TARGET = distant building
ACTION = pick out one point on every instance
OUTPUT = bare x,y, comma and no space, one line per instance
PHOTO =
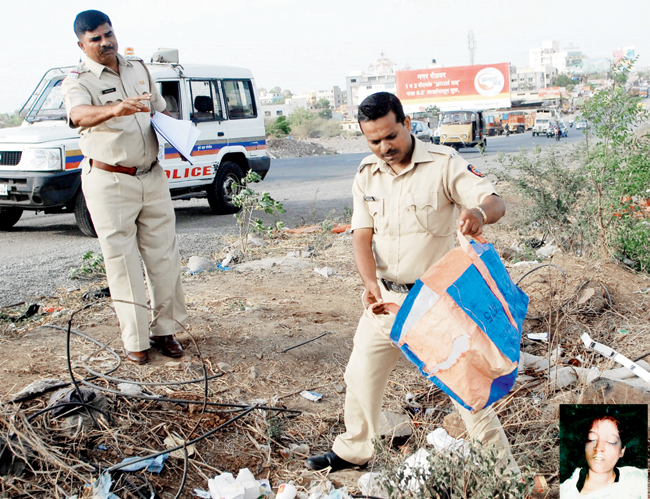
531,79
289,106
380,78
549,54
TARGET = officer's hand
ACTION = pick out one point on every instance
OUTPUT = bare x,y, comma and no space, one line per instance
132,105
372,295
469,223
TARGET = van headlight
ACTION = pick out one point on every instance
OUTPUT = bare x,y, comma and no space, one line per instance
41,160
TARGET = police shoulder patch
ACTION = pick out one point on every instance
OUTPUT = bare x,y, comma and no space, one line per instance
472,169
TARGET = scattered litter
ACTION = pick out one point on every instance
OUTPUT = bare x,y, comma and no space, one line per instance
622,373
547,250
613,354
174,440
538,336
286,491
102,487
225,486
198,264
225,367
31,311
226,261
154,465
325,271
566,376
441,440
203,494
623,331
37,387
303,230
130,389
255,241
51,310
342,228
585,295
313,396
527,360
339,388
369,485
524,264
417,461
97,294
221,266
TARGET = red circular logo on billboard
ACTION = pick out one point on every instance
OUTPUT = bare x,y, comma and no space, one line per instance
489,82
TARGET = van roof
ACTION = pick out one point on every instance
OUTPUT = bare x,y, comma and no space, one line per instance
166,70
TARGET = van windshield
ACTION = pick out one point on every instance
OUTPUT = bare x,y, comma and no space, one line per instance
458,118
49,105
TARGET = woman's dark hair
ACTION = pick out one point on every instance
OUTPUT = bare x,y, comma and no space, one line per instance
576,420
89,20
378,105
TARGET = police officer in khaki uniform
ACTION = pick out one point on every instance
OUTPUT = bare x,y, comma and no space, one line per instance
110,99
405,196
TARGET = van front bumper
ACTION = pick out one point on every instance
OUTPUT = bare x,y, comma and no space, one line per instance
38,190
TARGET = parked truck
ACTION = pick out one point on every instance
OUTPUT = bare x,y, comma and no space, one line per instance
544,118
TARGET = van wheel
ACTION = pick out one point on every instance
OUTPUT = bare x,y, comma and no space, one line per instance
82,216
9,217
226,183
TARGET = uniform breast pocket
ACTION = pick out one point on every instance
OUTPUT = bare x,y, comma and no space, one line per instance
111,99
376,210
423,214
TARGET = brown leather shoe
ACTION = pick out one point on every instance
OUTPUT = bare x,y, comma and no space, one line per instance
137,357
167,345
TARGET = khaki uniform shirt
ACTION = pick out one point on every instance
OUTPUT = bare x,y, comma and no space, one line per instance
413,214
126,140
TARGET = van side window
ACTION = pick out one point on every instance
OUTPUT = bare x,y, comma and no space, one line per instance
206,105
239,97
170,90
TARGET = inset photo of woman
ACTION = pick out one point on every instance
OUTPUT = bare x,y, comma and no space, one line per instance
604,451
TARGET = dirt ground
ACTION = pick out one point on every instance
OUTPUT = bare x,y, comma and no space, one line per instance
243,323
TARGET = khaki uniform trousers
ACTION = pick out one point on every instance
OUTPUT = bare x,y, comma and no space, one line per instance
373,358
132,213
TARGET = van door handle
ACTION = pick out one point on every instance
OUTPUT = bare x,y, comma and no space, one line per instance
220,134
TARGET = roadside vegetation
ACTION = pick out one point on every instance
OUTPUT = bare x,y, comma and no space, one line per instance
10,120
594,201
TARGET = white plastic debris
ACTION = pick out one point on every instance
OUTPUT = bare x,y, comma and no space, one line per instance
202,494
369,485
538,336
416,462
130,389
524,264
245,486
441,440
286,491
172,441
251,486
313,396
613,354
325,271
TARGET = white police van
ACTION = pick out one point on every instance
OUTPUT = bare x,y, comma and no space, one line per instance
39,161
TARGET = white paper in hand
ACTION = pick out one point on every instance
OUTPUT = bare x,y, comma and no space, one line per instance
182,135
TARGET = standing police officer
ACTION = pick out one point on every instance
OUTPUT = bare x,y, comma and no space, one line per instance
110,99
405,197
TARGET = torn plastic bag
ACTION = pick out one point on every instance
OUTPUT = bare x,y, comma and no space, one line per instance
461,325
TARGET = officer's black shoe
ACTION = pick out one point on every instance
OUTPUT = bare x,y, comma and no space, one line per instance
330,460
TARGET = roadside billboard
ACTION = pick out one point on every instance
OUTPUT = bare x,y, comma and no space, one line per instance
483,86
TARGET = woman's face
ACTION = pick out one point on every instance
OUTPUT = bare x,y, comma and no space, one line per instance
604,447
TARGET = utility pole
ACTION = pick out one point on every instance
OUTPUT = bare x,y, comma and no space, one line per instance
471,44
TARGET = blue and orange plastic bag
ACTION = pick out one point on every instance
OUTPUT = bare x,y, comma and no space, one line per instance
461,325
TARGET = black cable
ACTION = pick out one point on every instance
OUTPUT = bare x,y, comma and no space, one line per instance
304,342
186,463
540,267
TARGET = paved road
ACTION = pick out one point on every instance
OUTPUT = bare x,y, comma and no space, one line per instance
37,254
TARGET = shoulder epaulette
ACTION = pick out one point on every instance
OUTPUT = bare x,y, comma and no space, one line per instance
368,160
74,74
440,149
133,58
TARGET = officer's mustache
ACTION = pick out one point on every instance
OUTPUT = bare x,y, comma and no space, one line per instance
107,48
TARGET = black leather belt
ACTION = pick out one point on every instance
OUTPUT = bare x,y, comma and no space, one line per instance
395,287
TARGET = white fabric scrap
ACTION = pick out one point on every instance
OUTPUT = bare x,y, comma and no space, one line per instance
610,353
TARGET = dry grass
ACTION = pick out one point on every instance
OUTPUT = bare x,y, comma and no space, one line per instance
246,321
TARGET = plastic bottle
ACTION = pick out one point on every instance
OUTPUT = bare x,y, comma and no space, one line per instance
286,491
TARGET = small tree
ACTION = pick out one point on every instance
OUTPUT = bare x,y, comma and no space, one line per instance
251,201
280,127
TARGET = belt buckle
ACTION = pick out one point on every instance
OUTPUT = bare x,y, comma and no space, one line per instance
399,288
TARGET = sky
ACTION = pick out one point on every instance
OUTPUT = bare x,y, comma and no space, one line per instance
304,45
